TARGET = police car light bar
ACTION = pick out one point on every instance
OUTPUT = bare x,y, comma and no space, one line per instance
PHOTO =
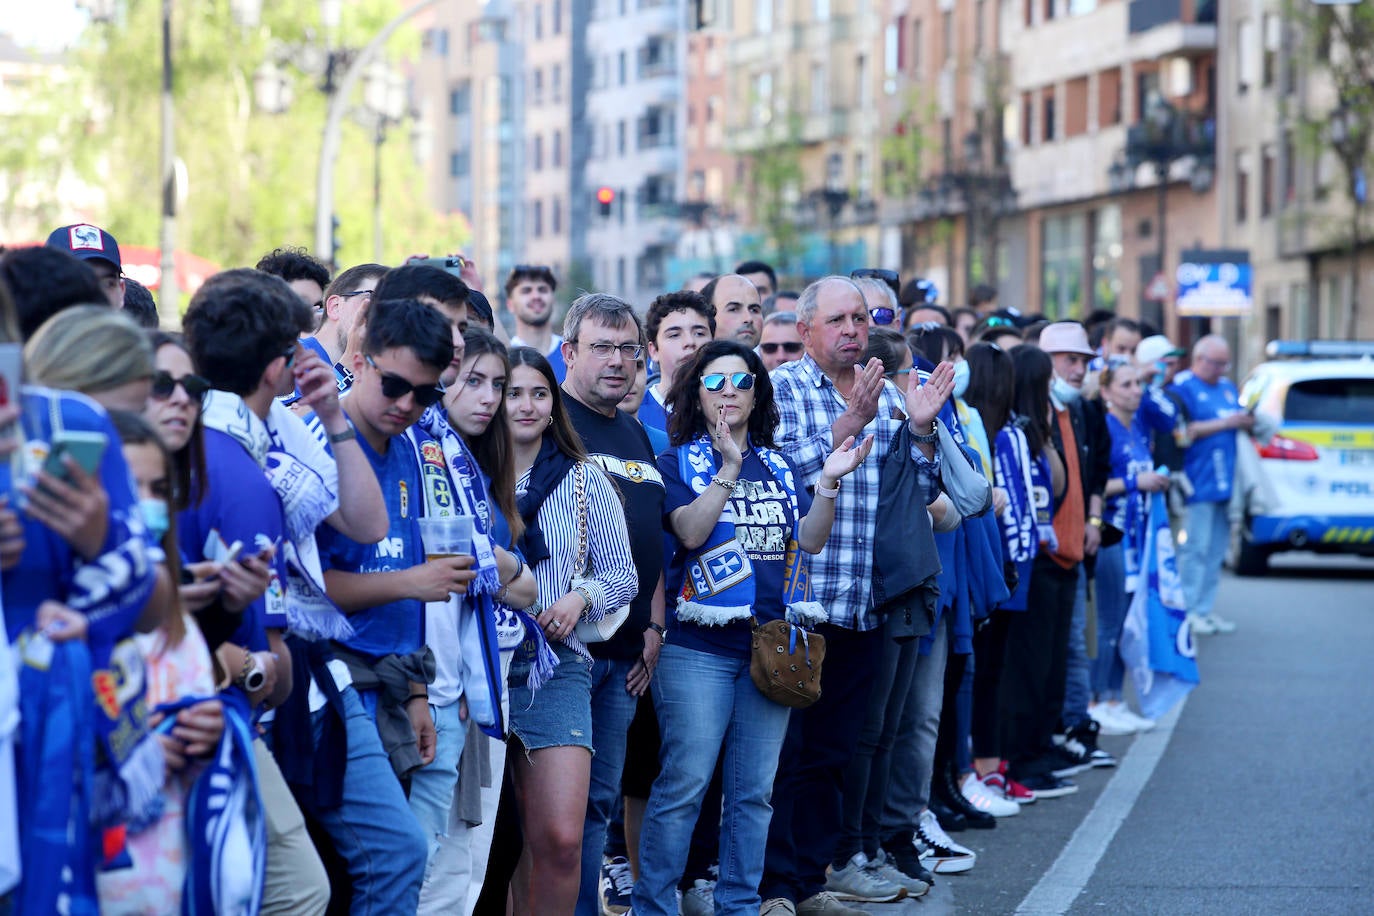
1328,349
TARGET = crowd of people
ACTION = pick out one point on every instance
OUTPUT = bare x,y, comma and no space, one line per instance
344,598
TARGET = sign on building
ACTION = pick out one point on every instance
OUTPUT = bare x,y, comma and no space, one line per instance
1214,283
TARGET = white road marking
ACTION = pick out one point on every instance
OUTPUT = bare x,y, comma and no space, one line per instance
1059,887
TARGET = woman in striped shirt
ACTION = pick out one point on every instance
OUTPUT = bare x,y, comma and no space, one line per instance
550,712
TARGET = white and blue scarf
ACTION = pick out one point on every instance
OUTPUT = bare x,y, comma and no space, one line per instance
718,588
305,499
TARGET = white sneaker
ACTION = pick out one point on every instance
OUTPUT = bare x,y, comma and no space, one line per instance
1220,624
987,801
859,882
1109,719
945,856
699,899
1202,626
1126,714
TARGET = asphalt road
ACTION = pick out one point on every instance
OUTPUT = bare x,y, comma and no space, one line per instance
1255,797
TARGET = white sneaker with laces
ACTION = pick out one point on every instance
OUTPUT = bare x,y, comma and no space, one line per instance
1141,723
1109,720
987,801
699,899
1202,626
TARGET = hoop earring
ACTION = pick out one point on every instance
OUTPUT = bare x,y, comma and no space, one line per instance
550,422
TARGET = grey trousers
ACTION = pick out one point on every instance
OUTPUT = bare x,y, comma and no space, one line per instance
913,754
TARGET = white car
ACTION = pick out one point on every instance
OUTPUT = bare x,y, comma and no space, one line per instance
1316,487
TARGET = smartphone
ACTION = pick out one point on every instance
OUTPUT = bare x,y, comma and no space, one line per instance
86,448
453,265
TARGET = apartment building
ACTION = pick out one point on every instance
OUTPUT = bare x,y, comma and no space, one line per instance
1110,149
635,115
802,114
710,233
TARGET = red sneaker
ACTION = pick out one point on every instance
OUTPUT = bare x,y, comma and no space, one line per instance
1008,788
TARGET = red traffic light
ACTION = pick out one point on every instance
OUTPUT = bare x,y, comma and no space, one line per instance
605,196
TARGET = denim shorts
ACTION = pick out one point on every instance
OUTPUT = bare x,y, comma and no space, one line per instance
559,714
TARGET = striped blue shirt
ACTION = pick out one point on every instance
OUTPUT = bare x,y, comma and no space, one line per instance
809,405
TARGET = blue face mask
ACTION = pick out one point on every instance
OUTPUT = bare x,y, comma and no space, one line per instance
155,517
1063,392
961,371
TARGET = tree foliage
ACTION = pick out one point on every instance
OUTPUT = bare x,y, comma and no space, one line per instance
775,180
251,175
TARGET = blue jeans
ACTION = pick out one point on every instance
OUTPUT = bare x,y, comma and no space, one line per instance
373,829
704,701
1078,680
1112,604
612,710
431,787
1200,557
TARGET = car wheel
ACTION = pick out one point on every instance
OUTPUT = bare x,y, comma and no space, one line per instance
1251,559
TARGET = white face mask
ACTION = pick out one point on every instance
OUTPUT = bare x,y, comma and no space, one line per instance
1063,392
961,371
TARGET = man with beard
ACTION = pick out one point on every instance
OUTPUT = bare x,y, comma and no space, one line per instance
529,296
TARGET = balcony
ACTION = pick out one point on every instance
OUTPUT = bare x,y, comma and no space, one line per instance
1167,28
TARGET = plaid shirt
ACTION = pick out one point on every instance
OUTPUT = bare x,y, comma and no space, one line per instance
808,405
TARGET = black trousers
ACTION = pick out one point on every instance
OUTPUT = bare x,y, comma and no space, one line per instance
990,657
1036,666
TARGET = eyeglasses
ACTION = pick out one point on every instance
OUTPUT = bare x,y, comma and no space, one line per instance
356,292
394,387
792,346
997,321
742,381
289,354
925,327
164,384
883,315
603,350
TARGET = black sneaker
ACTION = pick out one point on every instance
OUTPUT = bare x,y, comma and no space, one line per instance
901,853
1048,786
953,821
1068,757
1085,733
617,886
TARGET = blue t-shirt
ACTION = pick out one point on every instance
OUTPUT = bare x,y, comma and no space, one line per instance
764,524
112,592
1210,462
1130,457
397,627
652,413
238,502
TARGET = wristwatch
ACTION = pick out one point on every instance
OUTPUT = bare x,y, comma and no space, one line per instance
929,438
251,678
1095,521
659,629
336,438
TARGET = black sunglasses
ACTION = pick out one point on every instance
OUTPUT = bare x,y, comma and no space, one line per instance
883,316
289,354
164,384
394,387
791,346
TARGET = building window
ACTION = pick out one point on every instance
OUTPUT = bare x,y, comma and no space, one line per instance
556,17
620,275
819,95
556,216
979,14
556,83
946,37
537,153
537,219
1268,175
763,16
1049,10
1242,187
538,18
863,95
1049,125
947,142
620,139
556,150
1245,56
1109,98
763,97
459,164
820,10
1289,165
656,128
1106,264
623,66
1062,240
917,49
1027,117
1273,39
460,99
537,83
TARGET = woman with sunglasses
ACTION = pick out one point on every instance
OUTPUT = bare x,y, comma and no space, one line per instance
550,682
732,503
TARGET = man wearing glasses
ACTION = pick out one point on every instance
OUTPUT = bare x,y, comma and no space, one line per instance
1213,407
602,342
781,341
529,296
306,275
99,250
880,297
343,299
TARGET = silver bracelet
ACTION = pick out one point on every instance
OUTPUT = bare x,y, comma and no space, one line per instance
727,485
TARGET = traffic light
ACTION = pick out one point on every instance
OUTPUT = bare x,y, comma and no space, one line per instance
334,244
604,198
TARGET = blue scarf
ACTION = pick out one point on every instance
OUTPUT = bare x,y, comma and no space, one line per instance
56,758
718,588
471,492
226,826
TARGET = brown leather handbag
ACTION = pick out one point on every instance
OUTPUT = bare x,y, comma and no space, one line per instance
785,663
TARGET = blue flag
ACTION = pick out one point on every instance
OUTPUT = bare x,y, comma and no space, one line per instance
1156,642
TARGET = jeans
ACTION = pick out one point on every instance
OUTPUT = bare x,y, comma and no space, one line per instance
1200,556
373,828
1078,676
705,701
913,754
1112,603
612,710
869,772
806,793
431,787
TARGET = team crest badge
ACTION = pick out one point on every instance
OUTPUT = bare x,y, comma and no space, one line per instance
405,499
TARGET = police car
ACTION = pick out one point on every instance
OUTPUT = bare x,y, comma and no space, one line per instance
1316,483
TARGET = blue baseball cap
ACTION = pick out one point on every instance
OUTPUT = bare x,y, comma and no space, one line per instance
87,242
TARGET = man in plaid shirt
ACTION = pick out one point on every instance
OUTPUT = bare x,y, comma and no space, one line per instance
823,398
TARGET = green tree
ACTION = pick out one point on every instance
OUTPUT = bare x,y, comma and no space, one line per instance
775,178
250,175
903,148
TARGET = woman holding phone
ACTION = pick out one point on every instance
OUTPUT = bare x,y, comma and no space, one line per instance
550,692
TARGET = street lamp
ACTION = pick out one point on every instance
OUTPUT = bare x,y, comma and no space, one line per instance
384,105
1350,138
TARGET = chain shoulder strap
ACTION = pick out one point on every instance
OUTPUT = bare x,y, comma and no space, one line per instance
580,497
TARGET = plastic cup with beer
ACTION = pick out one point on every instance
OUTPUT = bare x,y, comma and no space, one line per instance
446,535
